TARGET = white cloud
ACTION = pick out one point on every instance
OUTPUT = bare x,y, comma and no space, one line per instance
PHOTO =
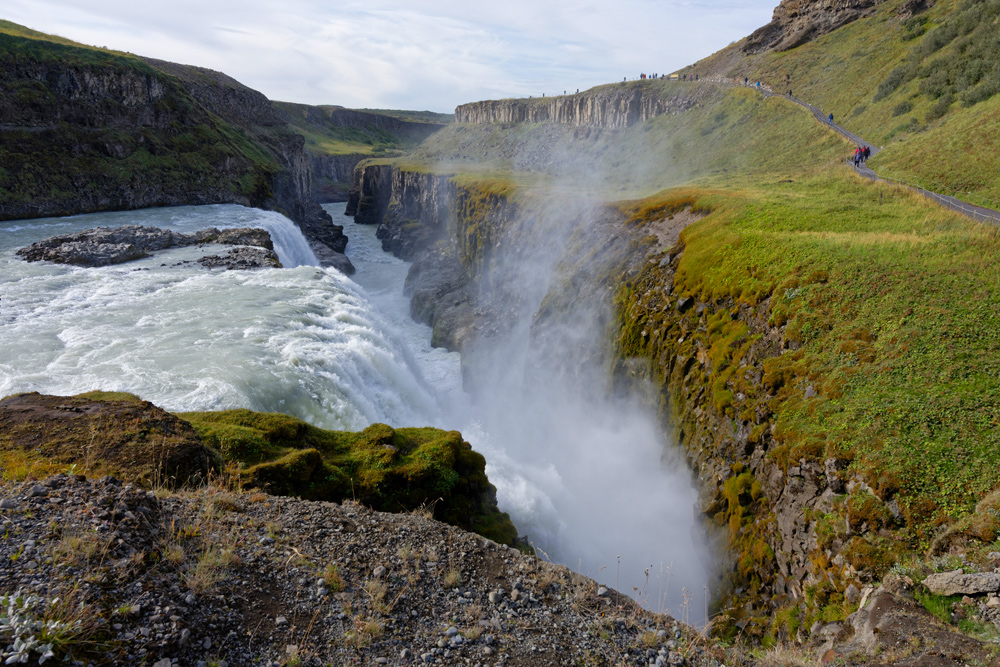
426,54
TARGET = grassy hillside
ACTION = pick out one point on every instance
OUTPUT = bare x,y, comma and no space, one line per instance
106,151
331,130
736,136
924,86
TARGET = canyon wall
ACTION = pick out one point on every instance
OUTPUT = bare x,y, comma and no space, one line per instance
332,175
340,138
613,106
85,130
711,365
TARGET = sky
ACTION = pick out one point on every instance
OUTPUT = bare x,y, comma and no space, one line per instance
406,54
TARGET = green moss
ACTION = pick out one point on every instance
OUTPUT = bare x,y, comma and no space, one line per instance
389,469
938,605
110,396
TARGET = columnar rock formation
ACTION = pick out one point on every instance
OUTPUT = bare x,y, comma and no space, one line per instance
612,106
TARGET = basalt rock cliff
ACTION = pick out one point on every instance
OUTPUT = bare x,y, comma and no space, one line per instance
86,130
611,106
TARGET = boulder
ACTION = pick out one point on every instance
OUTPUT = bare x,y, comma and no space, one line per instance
959,583
242,258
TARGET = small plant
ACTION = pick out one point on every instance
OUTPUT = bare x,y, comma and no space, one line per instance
209,570
376,591
33,626
648,639
174,553
78,549
452,577
332,578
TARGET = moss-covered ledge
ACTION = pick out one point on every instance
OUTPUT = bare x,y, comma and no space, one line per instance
388,469
826,368
116,433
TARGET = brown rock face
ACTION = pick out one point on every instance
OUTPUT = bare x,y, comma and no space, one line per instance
117,434
796,22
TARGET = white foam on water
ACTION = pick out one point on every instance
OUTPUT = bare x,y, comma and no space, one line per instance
301,340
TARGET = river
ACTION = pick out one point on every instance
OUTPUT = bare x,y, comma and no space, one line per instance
585,484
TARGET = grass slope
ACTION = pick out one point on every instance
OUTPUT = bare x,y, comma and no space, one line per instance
327,135
922,86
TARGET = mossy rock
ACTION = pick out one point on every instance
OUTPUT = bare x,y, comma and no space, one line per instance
393,470
100,433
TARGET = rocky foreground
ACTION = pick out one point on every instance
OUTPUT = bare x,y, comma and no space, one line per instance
100,572
216,577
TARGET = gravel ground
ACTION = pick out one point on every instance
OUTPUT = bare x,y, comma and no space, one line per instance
215,577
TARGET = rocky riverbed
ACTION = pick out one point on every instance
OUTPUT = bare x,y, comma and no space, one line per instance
214,576
104,246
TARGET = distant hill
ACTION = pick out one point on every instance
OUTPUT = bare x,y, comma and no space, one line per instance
919,78
338,138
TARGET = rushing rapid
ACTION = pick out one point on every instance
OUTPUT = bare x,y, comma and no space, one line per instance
301,339
583,482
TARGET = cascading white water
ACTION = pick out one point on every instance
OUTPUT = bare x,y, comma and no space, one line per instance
587,488
300,340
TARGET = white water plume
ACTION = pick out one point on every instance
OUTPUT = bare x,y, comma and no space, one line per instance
581,477
588,477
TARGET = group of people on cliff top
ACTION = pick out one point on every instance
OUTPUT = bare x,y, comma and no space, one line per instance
685,77
861,155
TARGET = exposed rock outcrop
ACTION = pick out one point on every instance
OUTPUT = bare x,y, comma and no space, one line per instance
959,583
242,259
103,246
373,191
892,629
796,22
612,106
332,175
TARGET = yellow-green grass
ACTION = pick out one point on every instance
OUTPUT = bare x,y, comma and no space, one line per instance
896,305
16,30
